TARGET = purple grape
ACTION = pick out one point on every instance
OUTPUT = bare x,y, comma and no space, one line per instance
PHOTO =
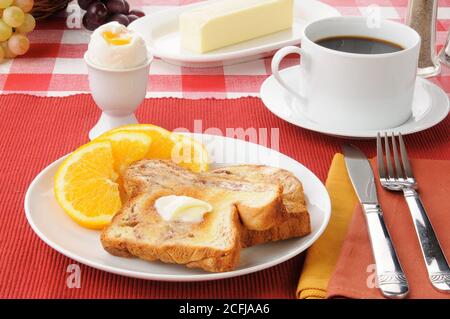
117,6
127,7
121,18
84,4
92,22
132,17
97,9
138,13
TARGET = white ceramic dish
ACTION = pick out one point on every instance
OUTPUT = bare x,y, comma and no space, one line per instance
160,31
430,106
55,228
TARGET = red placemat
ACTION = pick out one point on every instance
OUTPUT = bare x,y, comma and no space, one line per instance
36,131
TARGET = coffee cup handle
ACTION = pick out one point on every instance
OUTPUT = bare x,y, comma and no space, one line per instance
276,60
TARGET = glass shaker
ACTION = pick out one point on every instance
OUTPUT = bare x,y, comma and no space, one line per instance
444,56
422,16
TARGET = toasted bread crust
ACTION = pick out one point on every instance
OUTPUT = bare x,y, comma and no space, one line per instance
206,258
292,195
263,219
297,223
297,226
121,238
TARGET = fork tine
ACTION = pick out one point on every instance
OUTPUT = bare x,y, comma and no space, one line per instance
405,160
398,166
380,158
388,156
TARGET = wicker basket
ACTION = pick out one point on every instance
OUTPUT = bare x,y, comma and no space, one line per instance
45,8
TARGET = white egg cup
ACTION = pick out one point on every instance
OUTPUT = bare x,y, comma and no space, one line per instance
118,93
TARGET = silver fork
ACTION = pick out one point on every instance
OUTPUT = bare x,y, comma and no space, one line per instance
399,177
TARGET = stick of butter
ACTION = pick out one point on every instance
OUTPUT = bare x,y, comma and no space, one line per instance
228,22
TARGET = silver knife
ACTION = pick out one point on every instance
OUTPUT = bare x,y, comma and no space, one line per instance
389,273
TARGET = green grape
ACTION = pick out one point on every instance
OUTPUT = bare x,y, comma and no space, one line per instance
28,24
13,16
7,51
25,5
5,3
2,54
18,44
5,31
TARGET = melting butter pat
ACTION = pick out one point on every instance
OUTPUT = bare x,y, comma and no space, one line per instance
224,23
182,208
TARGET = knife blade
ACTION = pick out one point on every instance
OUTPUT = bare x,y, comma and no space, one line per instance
361,174
391,279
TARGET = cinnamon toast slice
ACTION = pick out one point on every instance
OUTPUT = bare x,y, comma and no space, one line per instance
137,230
213,244
298,222
291,221
259,204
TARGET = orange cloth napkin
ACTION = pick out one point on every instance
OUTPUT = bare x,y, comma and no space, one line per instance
354,276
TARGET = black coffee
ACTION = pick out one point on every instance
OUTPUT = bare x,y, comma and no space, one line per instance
361,45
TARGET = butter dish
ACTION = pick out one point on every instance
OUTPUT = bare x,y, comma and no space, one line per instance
161,32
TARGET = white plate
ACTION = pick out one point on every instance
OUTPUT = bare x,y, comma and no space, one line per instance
55,228
160,31
430,106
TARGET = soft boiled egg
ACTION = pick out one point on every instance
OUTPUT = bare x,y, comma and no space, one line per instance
114,46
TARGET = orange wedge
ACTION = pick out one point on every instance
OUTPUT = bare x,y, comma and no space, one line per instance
183,150
85,185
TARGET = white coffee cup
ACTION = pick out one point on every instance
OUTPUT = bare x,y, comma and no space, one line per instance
351,90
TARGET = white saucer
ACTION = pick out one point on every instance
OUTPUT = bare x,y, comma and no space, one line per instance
160,31
54,227
430,106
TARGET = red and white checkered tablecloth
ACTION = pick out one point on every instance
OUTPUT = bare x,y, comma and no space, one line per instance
54,65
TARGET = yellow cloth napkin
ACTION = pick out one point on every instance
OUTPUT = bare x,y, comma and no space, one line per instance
322,256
